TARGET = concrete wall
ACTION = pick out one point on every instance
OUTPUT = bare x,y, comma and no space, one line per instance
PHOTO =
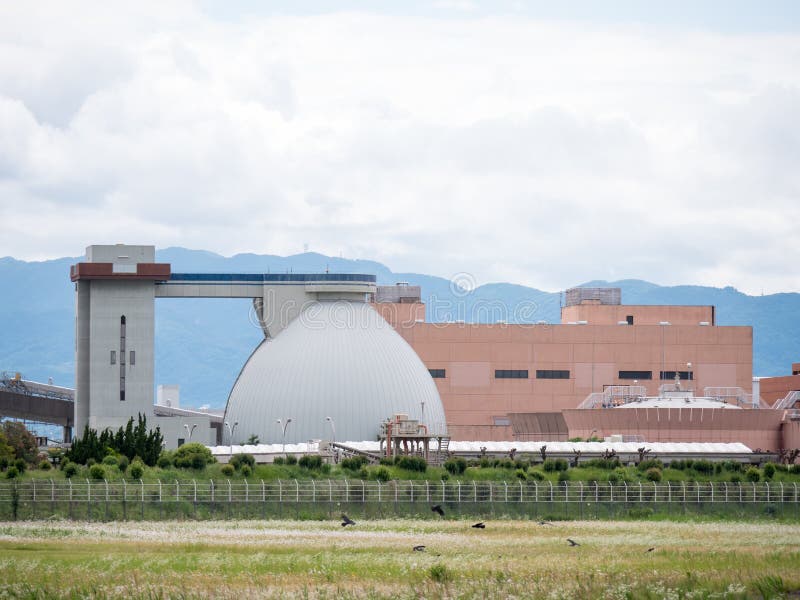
754,428
611,314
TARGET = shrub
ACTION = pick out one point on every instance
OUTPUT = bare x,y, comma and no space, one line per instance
413,463
310,461
278,460
12,472
731,465
455,465
97,472
325,469
21,465
291,459
246,470
520,474
123,463
90,462
613,478
522,464
353,463
602,463
227,470
753,474
242,459
506,463
380,474
137,469
555,464
386,461
484,463
769,471
650,463
70,469
111,460
3,463
735,479
164,461
445,476
193,455
45,465
703,466
563,476
535,475
653,474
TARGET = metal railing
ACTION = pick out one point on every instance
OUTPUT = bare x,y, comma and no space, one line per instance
103,500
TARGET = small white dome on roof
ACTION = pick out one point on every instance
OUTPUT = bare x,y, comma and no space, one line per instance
336,359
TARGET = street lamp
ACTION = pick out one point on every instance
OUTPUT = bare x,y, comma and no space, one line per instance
230,432
333,427
689,375
284,425
189,430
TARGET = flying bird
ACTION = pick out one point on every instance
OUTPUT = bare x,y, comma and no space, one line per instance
437,509
573,542
419,548
347,521
479,526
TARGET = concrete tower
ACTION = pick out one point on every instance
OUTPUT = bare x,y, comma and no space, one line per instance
114,337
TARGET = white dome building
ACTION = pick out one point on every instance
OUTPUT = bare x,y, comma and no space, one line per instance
337,359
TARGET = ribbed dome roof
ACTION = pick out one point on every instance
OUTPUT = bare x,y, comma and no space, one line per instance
337,359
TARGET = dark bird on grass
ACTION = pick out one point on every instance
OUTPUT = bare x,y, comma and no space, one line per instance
479,526
573,542
437,509
651,549
419,548
347,521
545,523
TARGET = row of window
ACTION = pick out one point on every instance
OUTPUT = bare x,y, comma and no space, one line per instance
512,374
131,357
557,374
663,375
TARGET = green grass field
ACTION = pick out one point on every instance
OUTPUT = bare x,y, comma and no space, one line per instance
374,559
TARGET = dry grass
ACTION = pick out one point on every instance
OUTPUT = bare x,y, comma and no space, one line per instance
286,559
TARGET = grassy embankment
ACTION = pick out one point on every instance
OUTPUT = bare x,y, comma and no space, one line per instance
374,559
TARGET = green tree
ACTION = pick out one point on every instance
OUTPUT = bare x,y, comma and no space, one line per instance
21,441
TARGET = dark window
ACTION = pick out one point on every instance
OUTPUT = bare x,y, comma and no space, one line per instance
181,442
122,358
629,319
132,355
113,357
552,374
511,374
437,373
635,374
684,375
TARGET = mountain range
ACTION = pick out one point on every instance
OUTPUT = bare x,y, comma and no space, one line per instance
201,344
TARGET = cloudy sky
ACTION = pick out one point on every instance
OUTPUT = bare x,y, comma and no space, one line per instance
511,140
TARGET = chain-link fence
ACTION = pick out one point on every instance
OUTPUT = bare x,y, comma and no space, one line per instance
317,499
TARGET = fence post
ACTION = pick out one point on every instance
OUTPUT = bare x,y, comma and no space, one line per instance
212,489
363,492
726,492
505,484
34,493
159,491
474,492
194,483
551,491
520,491
427,492
379,491
767,484
177,491
263,492
626,491
330,491
313,492
411,483
459,494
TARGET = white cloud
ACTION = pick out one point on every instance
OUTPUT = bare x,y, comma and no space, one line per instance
544,153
